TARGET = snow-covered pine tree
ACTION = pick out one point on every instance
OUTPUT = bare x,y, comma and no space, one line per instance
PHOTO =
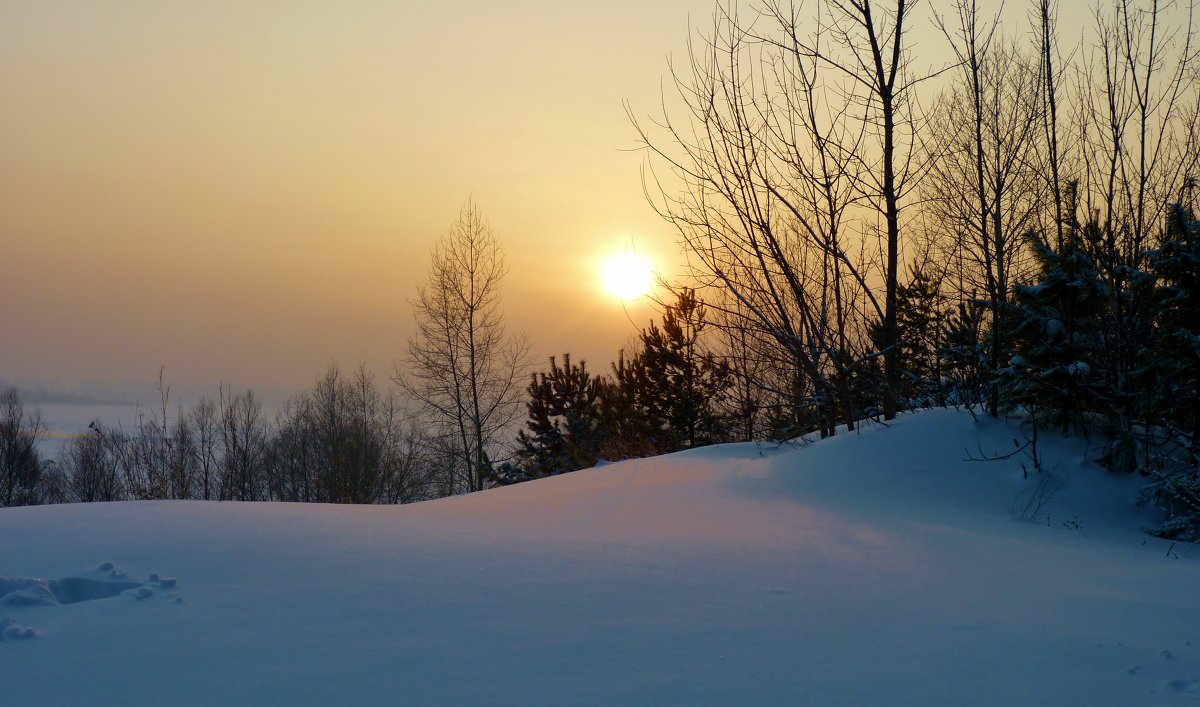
1176,346
1174,464
1052,371
964,356
1120,375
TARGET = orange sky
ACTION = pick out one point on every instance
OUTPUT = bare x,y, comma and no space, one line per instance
246,191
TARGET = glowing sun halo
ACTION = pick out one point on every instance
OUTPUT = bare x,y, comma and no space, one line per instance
627,275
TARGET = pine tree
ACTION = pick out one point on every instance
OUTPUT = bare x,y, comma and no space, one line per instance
564,430
964,357
1055,337
633,414
683,379
1174,392
1176,346
920,320
1125,325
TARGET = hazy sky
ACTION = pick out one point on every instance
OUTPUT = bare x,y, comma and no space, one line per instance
246,191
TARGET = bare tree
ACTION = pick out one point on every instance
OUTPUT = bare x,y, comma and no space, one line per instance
1050,70
875,56
414,477
984,186
20,465
749,395
206,430
159,463
1137,122
462,367
343,441
795,142
94,464
244,439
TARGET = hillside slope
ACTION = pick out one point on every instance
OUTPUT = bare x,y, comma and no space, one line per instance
878,567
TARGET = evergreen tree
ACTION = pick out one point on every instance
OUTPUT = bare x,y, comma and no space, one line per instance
1055,338
921,323
1176,345
660,400
963,355
1120,374
684,380
563,431
633,414
1174,392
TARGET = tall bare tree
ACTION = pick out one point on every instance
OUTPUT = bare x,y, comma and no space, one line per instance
1136,120
985,187
207,430
462,366
245,434
1050,70
874,54
794,143
94,463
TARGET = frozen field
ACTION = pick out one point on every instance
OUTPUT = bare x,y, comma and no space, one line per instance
873,568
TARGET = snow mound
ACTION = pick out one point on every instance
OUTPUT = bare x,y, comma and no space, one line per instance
21,591
886,566
12,631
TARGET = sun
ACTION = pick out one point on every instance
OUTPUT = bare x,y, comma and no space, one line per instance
627,275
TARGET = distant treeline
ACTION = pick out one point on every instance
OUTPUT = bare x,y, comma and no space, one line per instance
349,440
343,441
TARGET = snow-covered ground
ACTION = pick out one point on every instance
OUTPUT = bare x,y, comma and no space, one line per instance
874,568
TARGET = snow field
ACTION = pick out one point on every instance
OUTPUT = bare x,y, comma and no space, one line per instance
879,567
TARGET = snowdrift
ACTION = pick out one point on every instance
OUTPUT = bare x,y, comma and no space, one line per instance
877,567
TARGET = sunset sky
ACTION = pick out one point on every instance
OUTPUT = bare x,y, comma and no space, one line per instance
248,191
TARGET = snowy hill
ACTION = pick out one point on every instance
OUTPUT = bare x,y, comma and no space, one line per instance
874,568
